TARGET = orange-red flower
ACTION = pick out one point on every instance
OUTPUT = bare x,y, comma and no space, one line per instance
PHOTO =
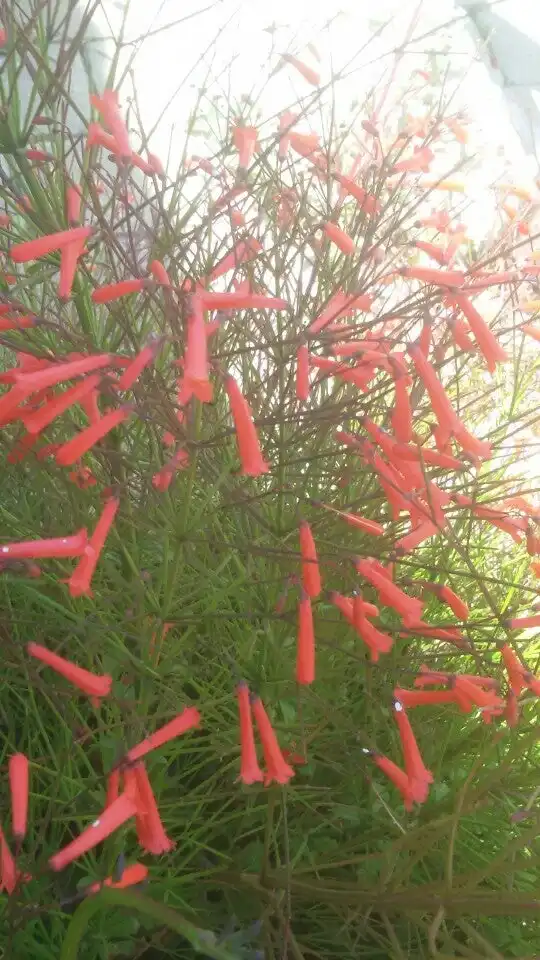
250,771
489,345
134,369
72,546
134,874
73,204
311,577
241,253
354,520
107,106
163,478
302,373
420,698
304,143
8,869
519,677
18,785
441,278
150,830
419,776
341,239
245,141
307,72
277,769
108,821
196,366
409,608
159,273
41,246
81,578
305,647
93,684
75,448
113,291
187,720
69,258
398,777
377,641
36,421
253,462
238,300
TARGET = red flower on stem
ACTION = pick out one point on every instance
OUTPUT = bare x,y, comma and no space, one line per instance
92,684
242,252
196,366
81,578
311,577
113,291
277,769
302,373
305,648
398,777
187,720
150,830
245,141
250,771
108,821
239,300
42,246
419,776
36,421
312,76
18,785
134,369
519,677
253,462
342,240
8,869
75,448
409,608
72,546
377,641
107,106
134,874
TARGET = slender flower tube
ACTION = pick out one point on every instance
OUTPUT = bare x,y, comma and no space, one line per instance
69,259
377,641
253,462
441,278
75,448
159,273
398,777
367,201
245,141
518,676
8,869
196,366
311,577
302,373
72,546
312,76
419,776
150,830
133,875
401,416
113,817
42,246
107,106
18,785
113,291
305,648
187,720
439,254
241,253
304,143
346,606
53,374
163,478
341,239
134,369
73,204
489,346
250,771
277,768
421,698
235,300
354,520
81,578
409,608
94,685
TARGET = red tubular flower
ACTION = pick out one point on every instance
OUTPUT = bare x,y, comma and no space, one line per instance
456,604
519,623
113,817
107,106
81,578
460,333
41,246
410,452
69,258
418,535
312,76
163,478
398,777
519,677
421,698
469,694
96,136
276,767
305,649
401,416
409,608
440,278
134,874
346,606
113,291
245,141
311,577
253,462
18,785
286,121
341,239
419,776
75,448
481,281
72,546
18,322
36,422
8,869
150,830
159,273
424,340
368,202
489,346
304,143
236,300
354,520
73,204
442,407
92,684
377,641
302,373
196,367
53,374
241,253
113,787
340,305
187,720
418,163
134,369
155,164
439,254
250,771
